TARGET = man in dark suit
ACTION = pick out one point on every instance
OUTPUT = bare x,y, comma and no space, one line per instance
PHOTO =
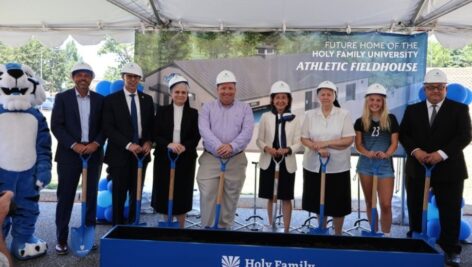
76,124
127,123
434,132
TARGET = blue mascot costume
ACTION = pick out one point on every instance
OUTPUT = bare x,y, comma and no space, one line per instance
25,159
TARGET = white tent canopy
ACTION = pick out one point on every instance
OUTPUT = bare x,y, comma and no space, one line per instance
88,21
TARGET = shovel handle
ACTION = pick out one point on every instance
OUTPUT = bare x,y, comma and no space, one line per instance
223,163
427,183
139,189
172,160
323,164
85,159
276,176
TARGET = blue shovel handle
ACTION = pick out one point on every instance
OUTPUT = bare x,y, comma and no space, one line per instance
172,160
324,164
140,160
223,163
85,158
428,169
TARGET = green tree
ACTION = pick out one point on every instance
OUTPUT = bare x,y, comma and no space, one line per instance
438,56
123,53
72,54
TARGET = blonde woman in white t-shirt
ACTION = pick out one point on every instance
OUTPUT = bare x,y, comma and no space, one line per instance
328,132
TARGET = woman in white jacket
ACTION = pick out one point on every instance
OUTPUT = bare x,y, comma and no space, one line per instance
279,139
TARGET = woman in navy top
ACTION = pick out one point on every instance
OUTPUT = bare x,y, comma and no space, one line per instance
376,140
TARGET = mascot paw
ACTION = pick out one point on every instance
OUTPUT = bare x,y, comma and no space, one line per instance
39,184
29,249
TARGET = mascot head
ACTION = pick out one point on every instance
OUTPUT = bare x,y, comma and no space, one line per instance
19,89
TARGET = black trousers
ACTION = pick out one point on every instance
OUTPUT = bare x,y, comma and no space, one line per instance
448,198
124,179
69,176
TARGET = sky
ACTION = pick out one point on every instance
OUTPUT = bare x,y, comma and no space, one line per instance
98,63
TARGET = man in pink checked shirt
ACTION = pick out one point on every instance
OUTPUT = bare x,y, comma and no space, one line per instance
226,127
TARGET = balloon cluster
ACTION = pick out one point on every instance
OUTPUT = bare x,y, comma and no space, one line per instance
104,201
455,91
434,227
106,87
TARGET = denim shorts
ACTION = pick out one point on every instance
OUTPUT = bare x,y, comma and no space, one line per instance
366,166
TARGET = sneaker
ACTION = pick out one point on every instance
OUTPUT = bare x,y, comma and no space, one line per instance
62,249
95,246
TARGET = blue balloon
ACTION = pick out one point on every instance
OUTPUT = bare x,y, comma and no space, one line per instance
104,199
103,87
468,100
421,94
456,92
126,212
434,228
109,214
117,86
433,212
102,184
465,230
110,186
433,201
140,87
127,200
100,213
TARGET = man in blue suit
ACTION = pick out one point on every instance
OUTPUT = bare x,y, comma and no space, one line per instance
76,124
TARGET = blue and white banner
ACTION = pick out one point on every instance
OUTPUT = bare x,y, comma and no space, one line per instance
301,59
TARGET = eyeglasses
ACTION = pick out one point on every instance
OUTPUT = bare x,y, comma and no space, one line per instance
432,88
131,76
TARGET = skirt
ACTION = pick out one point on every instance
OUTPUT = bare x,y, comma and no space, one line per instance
286,183
337,193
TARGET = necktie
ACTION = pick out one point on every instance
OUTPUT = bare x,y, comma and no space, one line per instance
433,115
134,119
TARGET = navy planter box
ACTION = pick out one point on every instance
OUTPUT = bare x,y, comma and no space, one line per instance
144,246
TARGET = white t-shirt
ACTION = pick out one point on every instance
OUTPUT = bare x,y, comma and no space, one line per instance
316,127
178,112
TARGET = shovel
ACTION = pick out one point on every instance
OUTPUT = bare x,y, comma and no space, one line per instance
373,216
83,237
321,229
139,192
221,185
424,233
275,202
170,201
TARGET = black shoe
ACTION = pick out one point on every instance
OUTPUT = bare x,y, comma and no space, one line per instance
62,249
453,259
95,246
409,234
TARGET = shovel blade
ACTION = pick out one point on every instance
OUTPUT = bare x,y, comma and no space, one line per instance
166,224
319,231
428,239
81,240
371,234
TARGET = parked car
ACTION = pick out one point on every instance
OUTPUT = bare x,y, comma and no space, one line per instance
48,103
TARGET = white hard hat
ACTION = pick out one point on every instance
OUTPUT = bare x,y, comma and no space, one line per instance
82,67
176,78
280,87
328,85
376,89
225,76
132,68
435,76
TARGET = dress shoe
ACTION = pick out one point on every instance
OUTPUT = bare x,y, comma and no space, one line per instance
453,260
62,249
